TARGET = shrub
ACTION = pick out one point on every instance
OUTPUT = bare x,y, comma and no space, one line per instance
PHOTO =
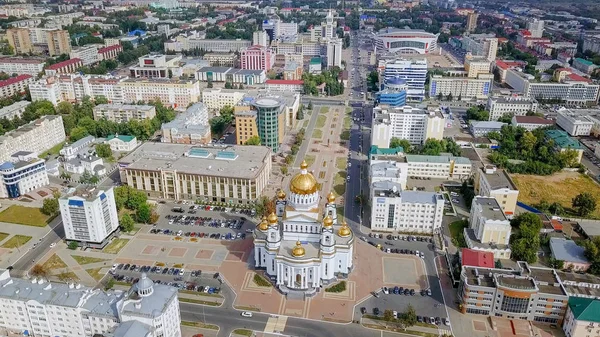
260,281
337,288
73,245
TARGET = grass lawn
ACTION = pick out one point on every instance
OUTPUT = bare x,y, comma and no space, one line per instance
305,124
348,110
54,262
52,151
321,120
561,187
200,325
191,300
86,259
16,241
317,133
24,216
457,233
341,163
324,109
242,332
115,246
339,183
95,273
310,159
347,123
3,236
68,276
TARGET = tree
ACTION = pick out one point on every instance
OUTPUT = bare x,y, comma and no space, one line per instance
525,243
409,317
449,97
73,245
388,315
126,223
264,206
403,143
310,105
556,264
592,253
143,213
556,208
254,140
584,203
78,133
440,96
65,108
478,113
110,283
39,270
50,206
209,84
104,151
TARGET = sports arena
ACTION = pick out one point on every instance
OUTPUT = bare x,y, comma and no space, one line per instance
405,41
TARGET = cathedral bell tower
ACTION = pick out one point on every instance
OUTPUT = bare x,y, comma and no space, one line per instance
327,235
280,204
273,233
330,207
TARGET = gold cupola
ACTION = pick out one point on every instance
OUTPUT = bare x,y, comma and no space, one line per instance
263,225
281,195
331,198
304,182
298,251
328,221
272,219
344,231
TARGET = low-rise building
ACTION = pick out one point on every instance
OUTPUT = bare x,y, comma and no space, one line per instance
496,183
64,67
296,86
217,98
444,166
22,66
15,85
121,143
236,175
476,258
221,59
406,122
110,52
515,106
189,127
489,229
585,66
122,113
563,142
70,151
482,128
568,251
37,136
232,75
14,110
531,123
574,123
89,163
23,173
582,317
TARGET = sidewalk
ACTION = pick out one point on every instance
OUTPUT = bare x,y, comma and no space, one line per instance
396,325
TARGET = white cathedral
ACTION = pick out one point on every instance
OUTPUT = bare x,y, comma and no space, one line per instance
301,247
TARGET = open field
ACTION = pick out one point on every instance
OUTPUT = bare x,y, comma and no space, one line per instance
341,162
317,134
115,246
86,259
22,215
68,276
561,187
95,273
321,120
16,241
54,262
52,151
324,110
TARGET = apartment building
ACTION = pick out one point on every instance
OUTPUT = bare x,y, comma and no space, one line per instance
528,293
15,85
88,54
536,28
489,228
405,211
471,22
257,58
575,124
236,175
188,127
413,124
19,40
178,94
500,106
463,87
414,72
444,166
14,110
36,307
22,66
24,172
110,52
221,59
221,46
217,98
37,136
122,113
531,123
581,318
333,52
496,183
89,216
64,67
74,87
59,42
484,45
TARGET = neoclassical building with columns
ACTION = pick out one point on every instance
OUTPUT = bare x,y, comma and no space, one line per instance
300,246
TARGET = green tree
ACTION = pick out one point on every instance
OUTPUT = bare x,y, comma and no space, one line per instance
440,96
78,133
584,203
403,143
556,264
449,97
104,151
478,113
525,243
254,140
65,108
73,245
388,315
592,253
50,206
126,223
143,213
409,317
310,105
556,208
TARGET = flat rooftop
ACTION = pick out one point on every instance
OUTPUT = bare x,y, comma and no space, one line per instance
490,208
499,179
245,162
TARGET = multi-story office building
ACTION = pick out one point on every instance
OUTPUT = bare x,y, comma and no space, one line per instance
59,42
19,39
236,174
413,124
482,128
471,22
156,66
232,75
89,216
37,136
536,28
36,307
586,66
15,85
178,94
405,211
88,54
217,98
22,66
221,59
23,173
295,86
463,87
257,58
392,169
394,92
13,110
221,46
484,45
270,121
414,72
572,89
476,65
122,113
531,123
489,229
438,167
581,318
188,127
496,183
528,293
574,123
499,106
66,67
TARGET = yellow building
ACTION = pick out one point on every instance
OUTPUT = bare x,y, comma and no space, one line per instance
19,39
264,117
471,21
245,126
496,183
59,42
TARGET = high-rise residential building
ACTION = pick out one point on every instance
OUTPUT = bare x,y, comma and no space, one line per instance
471,22
334,52
23,173
59,42
484,45
37,136
496,183
88,54
89,216
536,28
414,72
257,58
19,39
329,26
171,92
260,38
489,229
406,122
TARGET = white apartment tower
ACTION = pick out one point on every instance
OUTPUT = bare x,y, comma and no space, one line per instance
536,28
413,124
260,38
414,72
89,216
328,27
334,52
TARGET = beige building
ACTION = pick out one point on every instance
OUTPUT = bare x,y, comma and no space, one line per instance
582,317
475,66
19,39
245,126
59,42
464,87
496,183
217,98
221,59
489,229
236,175
471,21
438,167
171,92
122,113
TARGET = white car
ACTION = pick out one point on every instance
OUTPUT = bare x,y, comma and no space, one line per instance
114,267
181,272
246,314
417,253
53,244
385,290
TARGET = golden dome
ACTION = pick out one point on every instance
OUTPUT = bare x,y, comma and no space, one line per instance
327,221
272,219
344,231
298,251
281,195
263,225
331,198
304,182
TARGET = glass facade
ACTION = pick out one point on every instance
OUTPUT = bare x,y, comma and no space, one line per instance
267,122
514,304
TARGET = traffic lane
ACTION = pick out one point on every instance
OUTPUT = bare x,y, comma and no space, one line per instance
30,257
310,328
227,319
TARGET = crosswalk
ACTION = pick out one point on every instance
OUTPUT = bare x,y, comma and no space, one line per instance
444,332
276,324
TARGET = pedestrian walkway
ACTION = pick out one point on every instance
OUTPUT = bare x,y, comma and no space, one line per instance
276,324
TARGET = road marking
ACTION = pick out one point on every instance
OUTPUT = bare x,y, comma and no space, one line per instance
270,326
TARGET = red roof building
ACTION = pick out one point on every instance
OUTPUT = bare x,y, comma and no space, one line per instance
476,258
15,85
110,52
